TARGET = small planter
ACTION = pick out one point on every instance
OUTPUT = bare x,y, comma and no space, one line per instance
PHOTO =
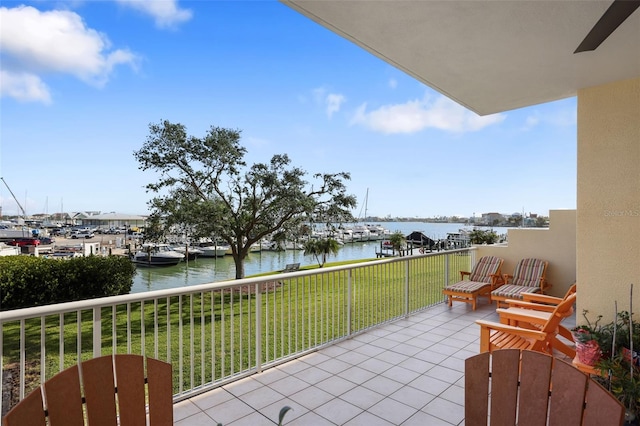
589,353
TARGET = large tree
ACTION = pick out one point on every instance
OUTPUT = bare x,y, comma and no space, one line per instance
205,185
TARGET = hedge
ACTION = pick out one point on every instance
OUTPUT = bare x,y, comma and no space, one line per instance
27,281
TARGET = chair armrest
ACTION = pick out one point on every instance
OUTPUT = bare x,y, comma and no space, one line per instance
512,303
524,332
544,285
541,298
506,278
463,273
496,281
520,315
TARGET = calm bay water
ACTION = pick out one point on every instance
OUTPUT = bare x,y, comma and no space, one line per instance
206,270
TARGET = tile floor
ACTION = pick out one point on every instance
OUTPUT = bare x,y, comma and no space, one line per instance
409,372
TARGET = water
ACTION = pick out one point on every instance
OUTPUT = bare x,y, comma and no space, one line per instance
206,270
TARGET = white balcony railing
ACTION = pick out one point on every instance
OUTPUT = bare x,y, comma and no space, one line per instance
219,332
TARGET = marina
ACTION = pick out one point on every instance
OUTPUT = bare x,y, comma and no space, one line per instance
222,268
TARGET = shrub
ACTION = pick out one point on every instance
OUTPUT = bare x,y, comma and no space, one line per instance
35,281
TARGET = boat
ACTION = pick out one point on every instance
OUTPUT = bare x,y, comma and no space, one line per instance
189,253
157,255
346,235
360,233
377,232
212,250
459,239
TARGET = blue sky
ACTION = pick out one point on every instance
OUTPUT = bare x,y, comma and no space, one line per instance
82,80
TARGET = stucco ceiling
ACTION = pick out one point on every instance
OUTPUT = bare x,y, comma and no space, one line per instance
489,56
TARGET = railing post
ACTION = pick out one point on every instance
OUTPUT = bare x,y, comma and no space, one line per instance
258,300
406,287
349,304
446,270
97,331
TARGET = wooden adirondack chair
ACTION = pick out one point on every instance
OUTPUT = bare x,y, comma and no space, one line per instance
509,387
534,311
484,277
529,276
65,402
502,336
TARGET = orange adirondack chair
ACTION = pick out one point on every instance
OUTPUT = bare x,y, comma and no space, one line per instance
534,311
502,336
529,276
69,404
509,387
484,277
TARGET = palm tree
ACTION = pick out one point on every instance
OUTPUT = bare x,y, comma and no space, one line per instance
321,249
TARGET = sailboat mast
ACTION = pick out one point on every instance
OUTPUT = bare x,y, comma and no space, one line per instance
366,201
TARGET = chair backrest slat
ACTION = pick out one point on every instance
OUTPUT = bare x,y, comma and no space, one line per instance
486,266
504,387
99,391
476,380
535,378
64,398
131,398
567,396
600,408
28,412
160,393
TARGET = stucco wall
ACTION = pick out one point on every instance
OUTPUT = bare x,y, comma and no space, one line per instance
557,245
608,198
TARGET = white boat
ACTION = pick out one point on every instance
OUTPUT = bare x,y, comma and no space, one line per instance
157,255
282,246
361,233
189,253
377,232
213,250
346,235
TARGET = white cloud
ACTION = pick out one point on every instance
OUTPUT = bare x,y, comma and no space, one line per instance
166,13
35,43
414,116
23,87
393,83
331,101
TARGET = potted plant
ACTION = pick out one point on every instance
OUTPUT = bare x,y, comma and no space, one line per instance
593,341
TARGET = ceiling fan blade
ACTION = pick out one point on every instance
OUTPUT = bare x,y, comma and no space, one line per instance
612,18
